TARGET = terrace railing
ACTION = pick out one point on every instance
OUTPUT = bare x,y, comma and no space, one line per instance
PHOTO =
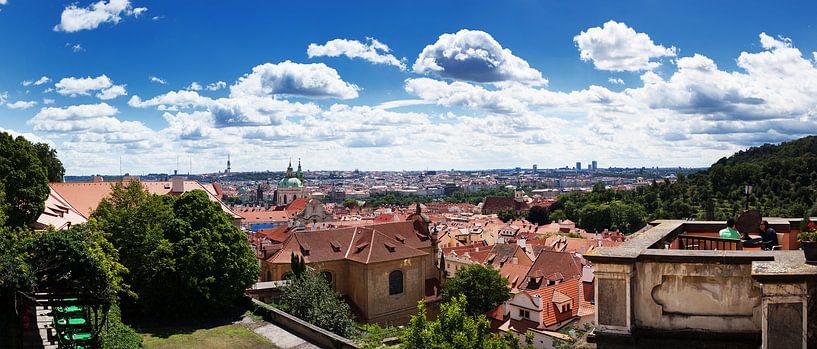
693,242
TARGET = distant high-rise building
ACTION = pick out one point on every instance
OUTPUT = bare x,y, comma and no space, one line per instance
534,169
228,163
595,165
578,166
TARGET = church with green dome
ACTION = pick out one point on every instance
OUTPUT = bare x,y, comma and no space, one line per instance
291,187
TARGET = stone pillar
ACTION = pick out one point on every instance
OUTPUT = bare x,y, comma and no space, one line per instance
786,285
785,315
614,292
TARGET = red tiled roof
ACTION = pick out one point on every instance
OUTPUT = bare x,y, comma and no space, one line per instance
552,296
550,263
366,244
86,196
296,206
261,214
277,234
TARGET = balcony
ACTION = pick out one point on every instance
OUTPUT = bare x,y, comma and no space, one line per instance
678,285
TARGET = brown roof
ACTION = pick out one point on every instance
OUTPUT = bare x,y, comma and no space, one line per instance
365,244
496,203
277,234
296,206
502,254
86,196
553,265
515,273
253,214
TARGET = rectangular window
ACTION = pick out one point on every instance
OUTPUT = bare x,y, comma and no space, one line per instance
524,314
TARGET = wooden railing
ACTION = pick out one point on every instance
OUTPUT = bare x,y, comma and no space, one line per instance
692,242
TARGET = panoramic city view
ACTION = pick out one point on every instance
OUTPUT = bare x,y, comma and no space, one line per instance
425,174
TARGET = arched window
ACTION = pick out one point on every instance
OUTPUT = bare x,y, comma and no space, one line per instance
395,282
327,276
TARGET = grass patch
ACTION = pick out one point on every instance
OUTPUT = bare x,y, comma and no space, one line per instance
224,336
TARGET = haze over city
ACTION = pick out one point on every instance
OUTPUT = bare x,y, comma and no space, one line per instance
348,86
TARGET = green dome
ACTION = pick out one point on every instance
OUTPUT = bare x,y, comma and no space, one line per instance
291,182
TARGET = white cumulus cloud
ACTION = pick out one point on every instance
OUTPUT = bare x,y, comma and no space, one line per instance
316,80
21,104
473,55
73,87
75,18
194,86
215,86
372,51
157,80
617,47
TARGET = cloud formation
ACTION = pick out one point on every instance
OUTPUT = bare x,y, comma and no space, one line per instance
372,51
73,87
617,47
75,18
316,80
21,104
695,108
473,55
157,80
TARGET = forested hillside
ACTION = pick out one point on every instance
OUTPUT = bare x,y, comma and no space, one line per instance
783,177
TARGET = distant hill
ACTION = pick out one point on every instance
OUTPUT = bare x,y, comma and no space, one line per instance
783,178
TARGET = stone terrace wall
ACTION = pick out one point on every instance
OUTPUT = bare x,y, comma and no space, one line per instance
303,329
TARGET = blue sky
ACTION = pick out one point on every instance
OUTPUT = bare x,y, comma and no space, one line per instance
408,85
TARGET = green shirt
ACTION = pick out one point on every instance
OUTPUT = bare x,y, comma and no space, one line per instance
729,233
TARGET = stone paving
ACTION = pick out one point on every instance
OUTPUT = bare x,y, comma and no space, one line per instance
278,336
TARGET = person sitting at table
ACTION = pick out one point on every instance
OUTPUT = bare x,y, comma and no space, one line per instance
729,232
769,235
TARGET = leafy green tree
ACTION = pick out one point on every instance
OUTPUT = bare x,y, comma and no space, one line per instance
184,254
507,215
48,159
558,215
349,203
311,298
482,286
24,180
538,215
455,329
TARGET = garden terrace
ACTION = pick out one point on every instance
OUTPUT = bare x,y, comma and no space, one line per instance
653,290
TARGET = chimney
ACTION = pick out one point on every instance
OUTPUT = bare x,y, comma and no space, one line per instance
177,185
97,179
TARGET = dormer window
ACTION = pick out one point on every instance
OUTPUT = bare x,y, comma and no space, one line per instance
304,249
564,307
335,246
525,314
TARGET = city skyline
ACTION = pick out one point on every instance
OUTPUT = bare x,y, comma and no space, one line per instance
469,86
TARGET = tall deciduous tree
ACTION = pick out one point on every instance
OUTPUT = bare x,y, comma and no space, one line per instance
482,286
184,254
24,180
48,159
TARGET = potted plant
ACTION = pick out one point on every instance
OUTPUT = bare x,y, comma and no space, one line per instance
808,239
